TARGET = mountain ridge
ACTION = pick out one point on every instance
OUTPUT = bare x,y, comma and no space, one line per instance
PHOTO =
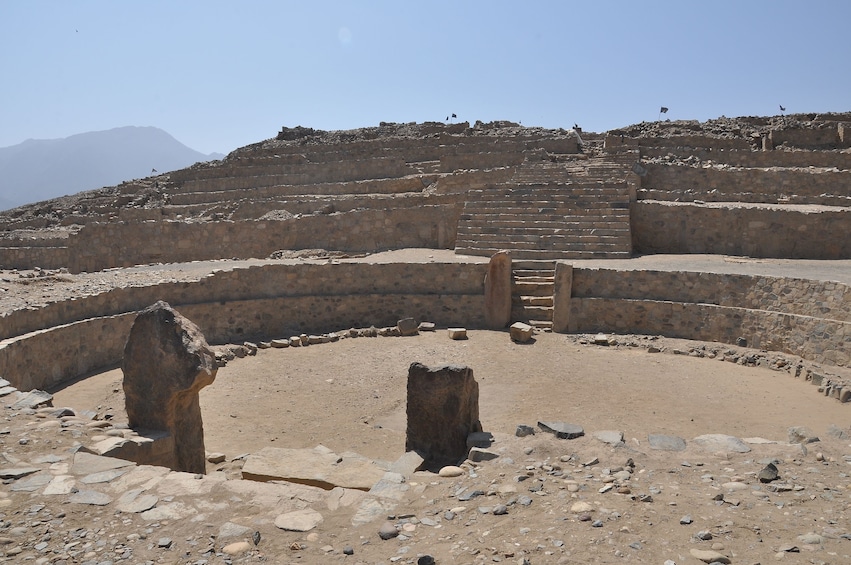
41,169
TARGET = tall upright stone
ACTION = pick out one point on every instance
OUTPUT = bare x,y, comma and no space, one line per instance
166,362
498,291
443,409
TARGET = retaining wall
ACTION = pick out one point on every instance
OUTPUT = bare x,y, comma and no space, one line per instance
101,246
739,229
771,185
807,318
259,302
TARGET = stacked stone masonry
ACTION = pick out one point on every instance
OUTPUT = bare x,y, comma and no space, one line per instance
543,194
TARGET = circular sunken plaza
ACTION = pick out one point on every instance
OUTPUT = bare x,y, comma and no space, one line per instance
683,279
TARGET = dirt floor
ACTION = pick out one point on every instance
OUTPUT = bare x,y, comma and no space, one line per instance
543,500
350,395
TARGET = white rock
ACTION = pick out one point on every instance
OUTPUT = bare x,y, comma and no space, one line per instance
451,471
457,333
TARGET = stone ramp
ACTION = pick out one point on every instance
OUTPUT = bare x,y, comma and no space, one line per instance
551,210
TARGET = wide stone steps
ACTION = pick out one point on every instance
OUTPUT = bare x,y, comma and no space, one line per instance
484,209
539,254
577,209
538,229
600,248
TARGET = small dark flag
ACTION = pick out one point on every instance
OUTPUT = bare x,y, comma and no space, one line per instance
663,110
153,171
454,115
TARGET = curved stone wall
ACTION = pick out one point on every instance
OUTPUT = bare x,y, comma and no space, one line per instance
67,340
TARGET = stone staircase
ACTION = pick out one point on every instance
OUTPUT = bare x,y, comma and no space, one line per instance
532,291
577,209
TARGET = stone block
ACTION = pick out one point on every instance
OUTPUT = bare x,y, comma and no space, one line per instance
457,333
521,332
407,327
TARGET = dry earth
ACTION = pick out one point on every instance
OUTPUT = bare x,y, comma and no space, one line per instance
350,396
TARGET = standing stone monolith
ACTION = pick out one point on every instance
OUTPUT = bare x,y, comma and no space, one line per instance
443,409
166,362
498,291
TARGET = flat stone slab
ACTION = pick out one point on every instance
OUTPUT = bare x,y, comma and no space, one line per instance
31,483
299,521
666,443
17,472
135,502
31,399
91,497
721,442
89,463
608,436
317,468
103,476
407,464
562,430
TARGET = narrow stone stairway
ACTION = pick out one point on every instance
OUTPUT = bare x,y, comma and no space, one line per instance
532,293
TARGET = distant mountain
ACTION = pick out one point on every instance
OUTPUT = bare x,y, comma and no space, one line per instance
39,169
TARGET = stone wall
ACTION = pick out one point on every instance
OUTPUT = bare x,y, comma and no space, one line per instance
615,142
807,318
73,338
802,297
755,159
740,229
772,185
101,246
817,339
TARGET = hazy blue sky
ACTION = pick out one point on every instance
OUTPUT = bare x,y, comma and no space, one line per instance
220,75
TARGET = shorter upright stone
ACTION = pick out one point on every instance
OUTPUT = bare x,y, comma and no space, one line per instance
407,327
457,333
520,332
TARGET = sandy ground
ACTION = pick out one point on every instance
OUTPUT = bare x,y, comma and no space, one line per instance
350,395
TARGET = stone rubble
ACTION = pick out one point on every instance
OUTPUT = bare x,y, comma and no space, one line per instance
62,504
